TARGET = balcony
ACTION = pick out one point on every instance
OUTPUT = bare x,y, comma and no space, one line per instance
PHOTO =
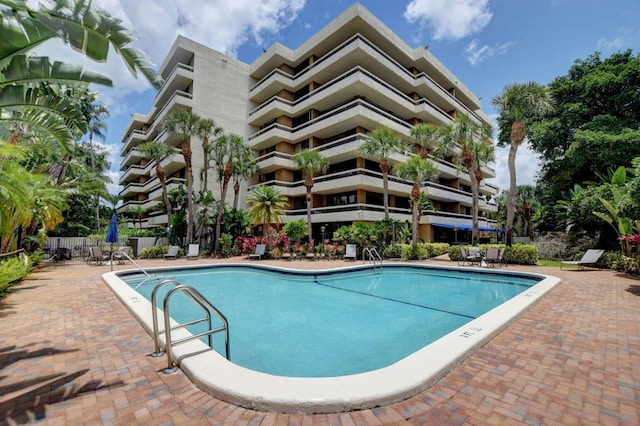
357,50
357,112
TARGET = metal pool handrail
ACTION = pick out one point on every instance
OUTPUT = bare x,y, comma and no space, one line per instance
373,256
203,303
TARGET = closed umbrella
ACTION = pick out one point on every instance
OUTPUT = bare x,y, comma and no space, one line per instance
112,235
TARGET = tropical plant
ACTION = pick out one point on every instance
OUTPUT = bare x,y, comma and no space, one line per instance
225,150
516,104
266,205
472,147
184,124
416,169
381,144
206,130
243,168
596,122
32,87
310,162
426,137
156,152
295,230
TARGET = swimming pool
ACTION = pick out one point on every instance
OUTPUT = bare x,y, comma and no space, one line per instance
409,370
326,324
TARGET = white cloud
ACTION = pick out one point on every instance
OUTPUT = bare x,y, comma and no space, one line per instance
222,25
449,19
476,54
610,45
527,167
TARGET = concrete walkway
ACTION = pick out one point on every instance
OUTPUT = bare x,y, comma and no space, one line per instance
71,354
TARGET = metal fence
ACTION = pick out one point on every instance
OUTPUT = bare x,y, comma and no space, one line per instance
76,247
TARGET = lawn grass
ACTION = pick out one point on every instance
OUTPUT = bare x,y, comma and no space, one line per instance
555,263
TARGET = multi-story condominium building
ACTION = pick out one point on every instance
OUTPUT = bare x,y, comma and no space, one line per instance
355,75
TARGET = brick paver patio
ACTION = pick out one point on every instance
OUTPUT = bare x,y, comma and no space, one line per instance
71,354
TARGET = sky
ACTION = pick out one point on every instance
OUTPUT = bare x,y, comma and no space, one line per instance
486,44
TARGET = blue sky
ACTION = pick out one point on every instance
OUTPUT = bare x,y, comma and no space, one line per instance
486,44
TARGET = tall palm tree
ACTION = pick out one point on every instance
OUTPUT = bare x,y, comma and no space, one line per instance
94,113
472,146
310,162
266,205
207,130
243,168
157,151
184,124
426,136
382,143
516,104
225,150
416,169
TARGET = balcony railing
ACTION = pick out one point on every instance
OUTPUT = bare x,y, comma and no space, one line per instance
395,64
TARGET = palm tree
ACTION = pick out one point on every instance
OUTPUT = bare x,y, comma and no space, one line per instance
184,124
310,162
473,147
426,136
244,167
157,151
206,130
416,169
381,143
266,205
34,88
516,104
94,113
225,149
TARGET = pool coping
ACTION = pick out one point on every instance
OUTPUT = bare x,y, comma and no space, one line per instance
411,375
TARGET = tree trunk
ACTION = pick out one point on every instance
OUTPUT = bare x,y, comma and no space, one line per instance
187,154
228,172
308,183
518,133
415,193
513,192
236,195
475,238
384,167
165,195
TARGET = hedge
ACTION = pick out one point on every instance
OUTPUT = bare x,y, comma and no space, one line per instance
521,254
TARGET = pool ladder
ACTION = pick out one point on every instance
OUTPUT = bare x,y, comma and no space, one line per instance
374,256
199,300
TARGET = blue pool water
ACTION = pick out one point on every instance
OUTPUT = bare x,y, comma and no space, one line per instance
325,324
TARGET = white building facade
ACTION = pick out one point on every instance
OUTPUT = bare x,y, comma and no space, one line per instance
353,76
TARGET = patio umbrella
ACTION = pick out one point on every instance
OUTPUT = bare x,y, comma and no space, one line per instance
112,235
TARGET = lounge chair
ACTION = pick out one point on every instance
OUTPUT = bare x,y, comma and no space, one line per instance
471,257
194,251
122,254
501,259
591,257
350,252
492,256
172,253
259,252
96,255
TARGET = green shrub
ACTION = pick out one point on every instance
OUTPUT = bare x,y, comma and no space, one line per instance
436,249
423,251
419,253
158,252
522,254
393,251
14,269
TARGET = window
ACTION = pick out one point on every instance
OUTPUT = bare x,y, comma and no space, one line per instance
342,199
